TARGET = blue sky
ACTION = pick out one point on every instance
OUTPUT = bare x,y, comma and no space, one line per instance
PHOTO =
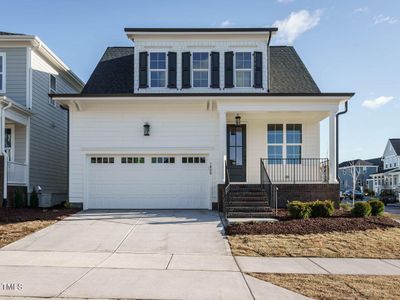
348,46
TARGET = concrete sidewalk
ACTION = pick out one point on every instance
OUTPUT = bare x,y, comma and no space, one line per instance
304,265
130,254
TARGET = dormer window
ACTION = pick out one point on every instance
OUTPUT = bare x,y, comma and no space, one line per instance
243,69
200,65
158,69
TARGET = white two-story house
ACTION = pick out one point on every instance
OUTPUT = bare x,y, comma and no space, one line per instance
33,127
187,116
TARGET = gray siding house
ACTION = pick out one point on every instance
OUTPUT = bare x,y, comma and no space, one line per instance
364,169
34,140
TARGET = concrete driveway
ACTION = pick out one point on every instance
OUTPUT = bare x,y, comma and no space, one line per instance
176,254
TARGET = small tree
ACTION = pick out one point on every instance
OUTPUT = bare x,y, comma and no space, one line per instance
355,172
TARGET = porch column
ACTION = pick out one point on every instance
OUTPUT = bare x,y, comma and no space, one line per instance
222,145
332,147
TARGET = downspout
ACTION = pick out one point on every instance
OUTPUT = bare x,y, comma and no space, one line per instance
346,106
68,134
3,151
268,62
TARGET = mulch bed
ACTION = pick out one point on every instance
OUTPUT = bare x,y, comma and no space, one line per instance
16,215
338,223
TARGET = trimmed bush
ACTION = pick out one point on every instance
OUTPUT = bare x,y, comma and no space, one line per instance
34,199
299,210
361,209
345,206
377,207
322,209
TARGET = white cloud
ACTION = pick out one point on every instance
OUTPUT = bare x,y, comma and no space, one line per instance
361,9
226,23
377,102
284,1
384,19
296,24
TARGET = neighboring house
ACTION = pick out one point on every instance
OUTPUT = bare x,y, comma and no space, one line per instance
35,128
363,169
389,176
156,123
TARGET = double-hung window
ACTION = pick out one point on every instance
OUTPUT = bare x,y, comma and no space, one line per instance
52,88
293,143
243,69
275,143
158,63
200,69
2,72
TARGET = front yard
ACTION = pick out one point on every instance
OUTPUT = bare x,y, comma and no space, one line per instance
15,223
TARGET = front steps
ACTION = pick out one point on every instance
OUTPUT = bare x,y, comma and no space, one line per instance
248,201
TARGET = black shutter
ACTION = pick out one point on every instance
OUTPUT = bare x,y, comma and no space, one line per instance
258,76
186,70
214,70
172,70
143,70
229,70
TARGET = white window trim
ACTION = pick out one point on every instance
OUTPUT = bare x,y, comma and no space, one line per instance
4,71
284,142
51,101
251,70
165,70
208,70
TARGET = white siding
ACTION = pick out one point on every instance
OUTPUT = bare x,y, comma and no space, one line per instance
200,45
49,132
118,128
20,143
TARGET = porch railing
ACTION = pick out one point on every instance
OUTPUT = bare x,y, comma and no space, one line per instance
227,189
268,187
297,170
17,173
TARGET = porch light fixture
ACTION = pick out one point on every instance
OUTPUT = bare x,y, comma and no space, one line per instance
237,119
146,129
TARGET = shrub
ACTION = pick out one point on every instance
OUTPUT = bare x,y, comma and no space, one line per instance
361,209
299,210
345,206
322,209
34,199
377,207
19,199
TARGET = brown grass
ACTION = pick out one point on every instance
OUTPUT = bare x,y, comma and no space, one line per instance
17,223
393,216
335,287
375,243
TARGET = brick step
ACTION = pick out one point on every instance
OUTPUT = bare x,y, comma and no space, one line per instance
249,209
247,203
250,194
247,190
249,214
247,198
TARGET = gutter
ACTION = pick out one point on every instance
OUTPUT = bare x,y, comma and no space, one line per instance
5,155
346,106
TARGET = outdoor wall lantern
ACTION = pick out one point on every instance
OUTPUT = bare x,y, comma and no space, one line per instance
237,119
146,129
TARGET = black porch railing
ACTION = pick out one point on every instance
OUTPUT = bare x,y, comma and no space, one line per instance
268,187
297,170
227,190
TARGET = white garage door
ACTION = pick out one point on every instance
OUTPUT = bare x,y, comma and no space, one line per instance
143,181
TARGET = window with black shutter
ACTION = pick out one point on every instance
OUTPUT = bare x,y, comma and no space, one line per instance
229,70
258,70
172,70
186,70
214,70
143,70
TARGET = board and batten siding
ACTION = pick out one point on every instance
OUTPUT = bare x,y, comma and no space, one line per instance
16,66
48,132
110,128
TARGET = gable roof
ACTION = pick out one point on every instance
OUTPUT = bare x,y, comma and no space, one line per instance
355,162
376,161
114,72
396,145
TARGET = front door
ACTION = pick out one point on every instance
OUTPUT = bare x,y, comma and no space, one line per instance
236,148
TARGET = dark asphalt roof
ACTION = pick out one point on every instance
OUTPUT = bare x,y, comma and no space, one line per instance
114,73
10,33
357,162
204,29
375,161
396,145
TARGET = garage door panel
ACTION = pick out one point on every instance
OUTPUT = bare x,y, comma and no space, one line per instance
148,185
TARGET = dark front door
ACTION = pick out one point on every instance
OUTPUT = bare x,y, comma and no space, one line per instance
236,156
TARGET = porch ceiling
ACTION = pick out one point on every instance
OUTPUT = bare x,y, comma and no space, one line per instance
281,115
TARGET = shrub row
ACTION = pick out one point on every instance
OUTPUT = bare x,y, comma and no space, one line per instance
373,207
315,209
